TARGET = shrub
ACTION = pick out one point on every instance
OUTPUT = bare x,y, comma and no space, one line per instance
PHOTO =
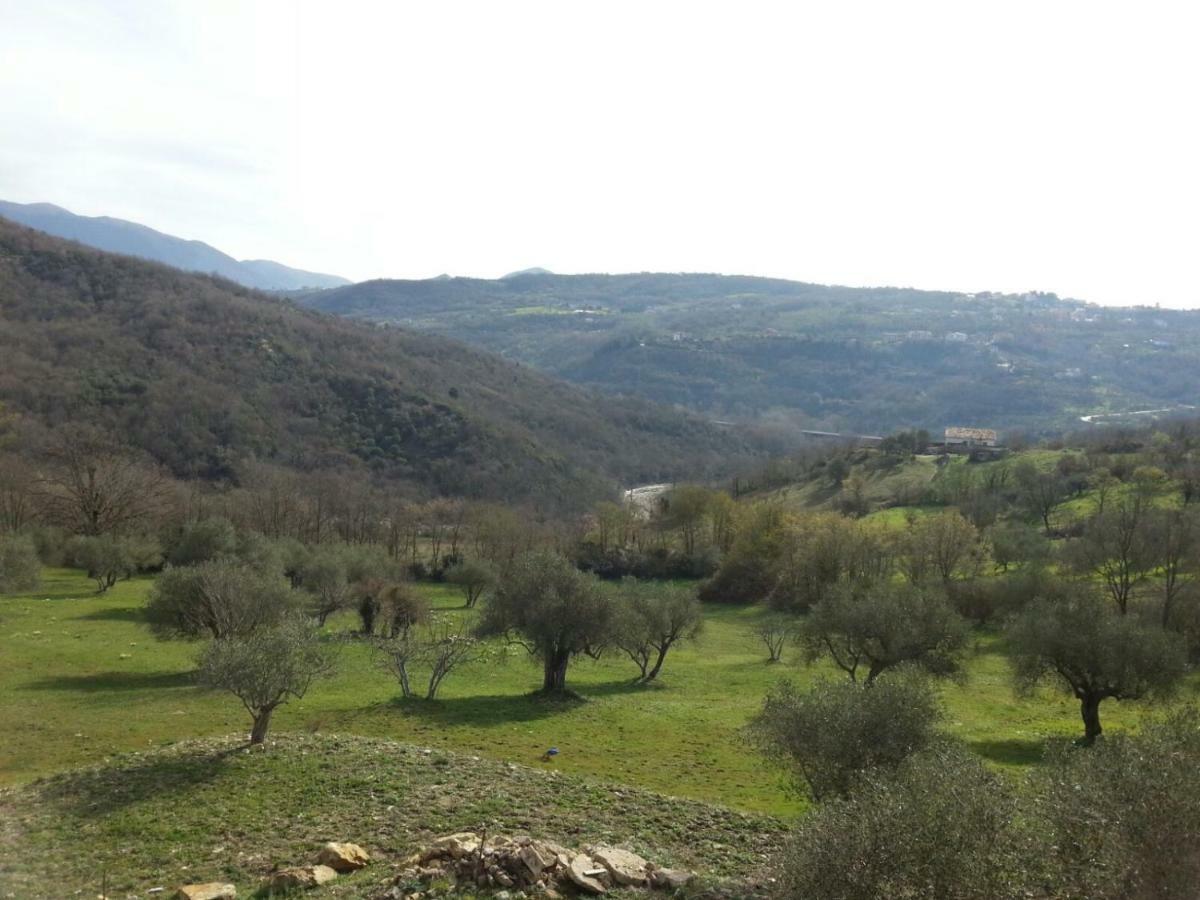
837,731
1124,814
221,598
20,568
940,826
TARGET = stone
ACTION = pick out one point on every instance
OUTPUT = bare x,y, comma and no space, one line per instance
671,879
582,871
211,890
626,868
343,857
300,877
537,857
464,843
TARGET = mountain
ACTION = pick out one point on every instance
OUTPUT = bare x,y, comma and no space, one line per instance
812,356
119,236
206,376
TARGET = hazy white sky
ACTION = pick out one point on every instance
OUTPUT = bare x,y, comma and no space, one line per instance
1007,146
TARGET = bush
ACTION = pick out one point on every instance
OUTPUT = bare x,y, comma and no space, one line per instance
1124,815
940,826
220,599
20,568
837,731
202,541
108,558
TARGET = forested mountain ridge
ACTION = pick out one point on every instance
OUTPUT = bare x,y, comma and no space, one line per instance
205,376
132,239
832,358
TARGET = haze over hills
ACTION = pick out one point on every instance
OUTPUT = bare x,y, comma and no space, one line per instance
132,239
831,358
207,377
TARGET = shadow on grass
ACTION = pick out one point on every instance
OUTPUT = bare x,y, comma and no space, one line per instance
115,614
1012,752
113,681
504,709
94,793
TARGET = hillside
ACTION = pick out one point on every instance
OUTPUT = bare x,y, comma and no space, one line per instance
197,810
132,239
204,376
831,358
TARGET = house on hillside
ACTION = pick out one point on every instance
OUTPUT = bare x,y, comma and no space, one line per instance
971,437
977,443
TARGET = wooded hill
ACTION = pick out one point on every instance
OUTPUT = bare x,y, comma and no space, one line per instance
132,239
829,358
205,376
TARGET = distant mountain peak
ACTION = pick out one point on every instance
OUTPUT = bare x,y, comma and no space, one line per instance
534,271
134,239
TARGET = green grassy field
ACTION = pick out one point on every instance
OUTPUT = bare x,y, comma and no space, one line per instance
82,679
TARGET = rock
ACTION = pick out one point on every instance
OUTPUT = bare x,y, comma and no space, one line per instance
343,857
582,871
300,877
626,868
671,879
537,857
464,843
212,890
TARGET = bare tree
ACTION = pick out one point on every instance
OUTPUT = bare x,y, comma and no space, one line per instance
93,487
441,646
775,632
1117,547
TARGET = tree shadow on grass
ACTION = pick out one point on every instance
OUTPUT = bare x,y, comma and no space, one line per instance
113,681
1012,752
617,688
484,711
115,614
95,793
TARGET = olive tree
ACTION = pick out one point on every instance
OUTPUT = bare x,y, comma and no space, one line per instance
219,599
20,568
324,576
551,609
882,626
108,558
203,540
1124,815
473,578
836,731
940,826
651,619
266,668
1095,653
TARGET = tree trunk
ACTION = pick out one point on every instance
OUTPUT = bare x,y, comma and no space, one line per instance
262,722
555,673
1089,708
658,663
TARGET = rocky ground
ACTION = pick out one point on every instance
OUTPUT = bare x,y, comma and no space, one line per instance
216,812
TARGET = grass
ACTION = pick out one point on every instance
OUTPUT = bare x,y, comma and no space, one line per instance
82,680
213,810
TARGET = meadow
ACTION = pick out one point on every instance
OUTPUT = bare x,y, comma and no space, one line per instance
83,680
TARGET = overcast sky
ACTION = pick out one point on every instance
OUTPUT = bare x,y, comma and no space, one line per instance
1005,146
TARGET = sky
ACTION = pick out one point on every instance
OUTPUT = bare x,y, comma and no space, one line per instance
964,146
